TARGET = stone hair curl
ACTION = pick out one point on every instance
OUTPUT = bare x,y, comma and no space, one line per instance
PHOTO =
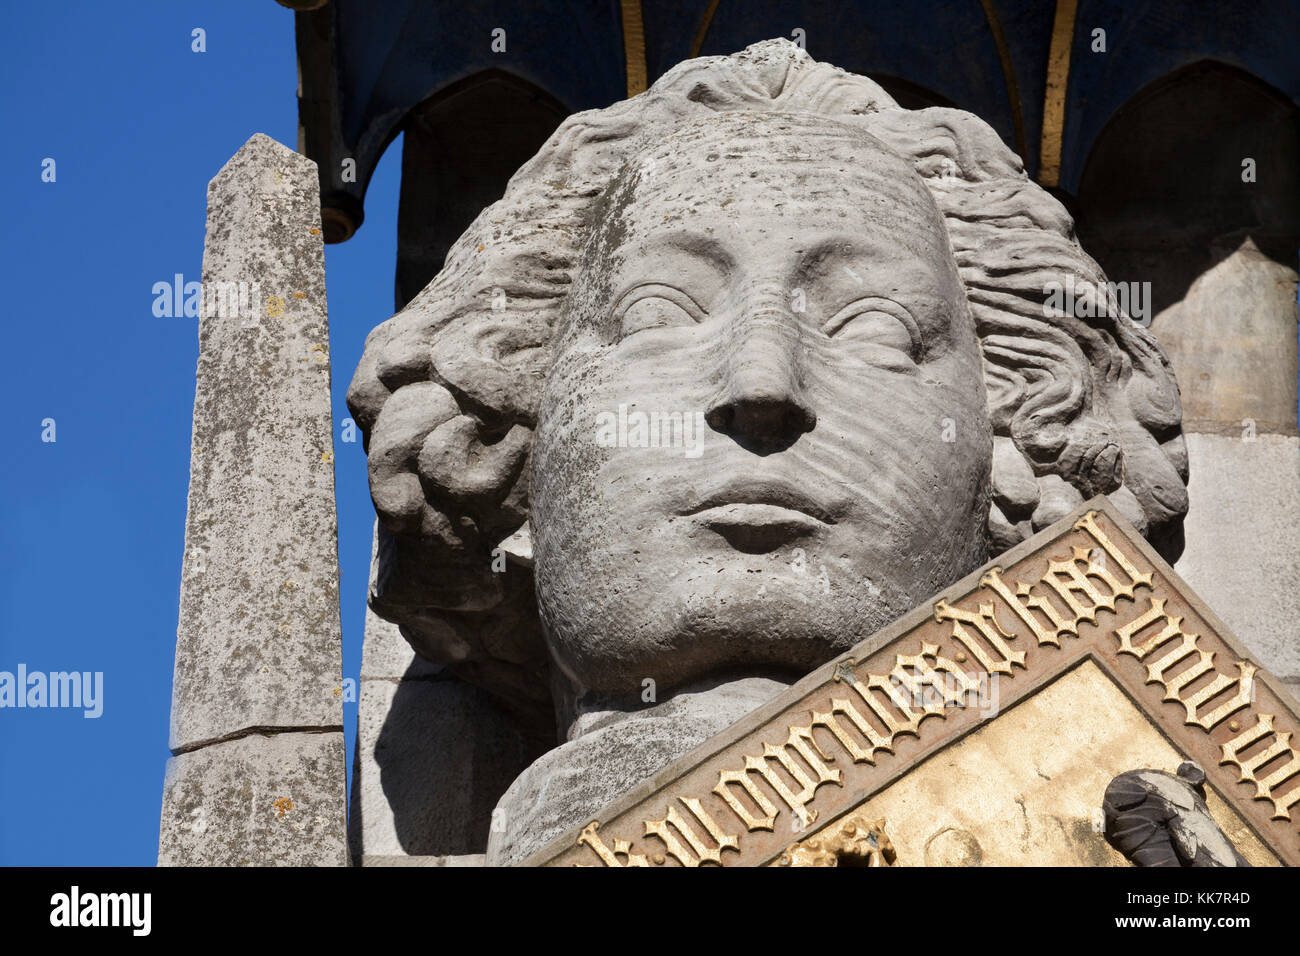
447,390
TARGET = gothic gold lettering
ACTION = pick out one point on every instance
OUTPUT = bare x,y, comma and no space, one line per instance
986,623
1245,684
610,857
800,740
845,708
1154,613
695,850
1024,602
1249,767
947,683
1088,523
1067,579
751,821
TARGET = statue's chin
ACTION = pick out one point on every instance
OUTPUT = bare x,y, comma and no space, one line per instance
745,624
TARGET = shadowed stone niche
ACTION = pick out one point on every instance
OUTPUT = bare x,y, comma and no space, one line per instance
735,373
1194,188
433,756
459,149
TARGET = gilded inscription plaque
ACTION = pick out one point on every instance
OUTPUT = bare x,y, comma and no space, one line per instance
1086,592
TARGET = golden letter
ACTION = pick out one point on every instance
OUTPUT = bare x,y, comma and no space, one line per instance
1024,602
699,851
1088,523
858,753
1245,682
951,690
610,857
801,741
1264,788
752,822
986,623
893,726
1076,582
1156,612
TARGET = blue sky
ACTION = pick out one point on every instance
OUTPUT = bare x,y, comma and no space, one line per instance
92,525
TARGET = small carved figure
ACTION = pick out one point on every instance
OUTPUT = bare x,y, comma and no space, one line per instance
1159,819
857,842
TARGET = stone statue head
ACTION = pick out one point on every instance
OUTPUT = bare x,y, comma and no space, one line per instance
735,373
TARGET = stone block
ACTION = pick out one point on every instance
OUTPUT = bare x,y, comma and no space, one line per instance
433,757
261,800
1242,556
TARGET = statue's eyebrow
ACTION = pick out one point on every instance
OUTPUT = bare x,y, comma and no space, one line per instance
701,245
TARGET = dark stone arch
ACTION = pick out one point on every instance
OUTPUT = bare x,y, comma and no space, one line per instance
462,144
1162,199
1170,159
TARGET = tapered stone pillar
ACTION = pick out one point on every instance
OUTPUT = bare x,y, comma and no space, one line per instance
258,772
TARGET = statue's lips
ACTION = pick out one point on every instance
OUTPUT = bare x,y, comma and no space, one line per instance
759,502
753,514
757,518
759,528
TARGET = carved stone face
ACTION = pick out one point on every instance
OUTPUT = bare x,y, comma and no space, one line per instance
785,282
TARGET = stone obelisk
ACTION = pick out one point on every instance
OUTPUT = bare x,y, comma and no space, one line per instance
258,772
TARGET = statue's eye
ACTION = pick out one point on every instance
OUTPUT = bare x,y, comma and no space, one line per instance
876,321
655,307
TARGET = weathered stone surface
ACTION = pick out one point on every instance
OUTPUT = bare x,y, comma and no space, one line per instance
261,800
433,756
258,647
468,859
1232,341
385,654
572,783
258,644
1243,556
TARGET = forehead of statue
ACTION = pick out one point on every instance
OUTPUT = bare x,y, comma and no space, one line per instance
779,176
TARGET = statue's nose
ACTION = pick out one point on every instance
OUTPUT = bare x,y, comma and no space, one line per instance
763,404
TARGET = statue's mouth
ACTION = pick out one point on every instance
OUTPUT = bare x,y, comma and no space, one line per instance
759,516
757,529
772,494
